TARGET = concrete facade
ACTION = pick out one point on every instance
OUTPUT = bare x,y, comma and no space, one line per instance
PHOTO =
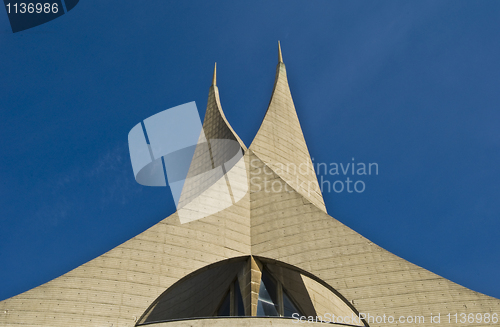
287,223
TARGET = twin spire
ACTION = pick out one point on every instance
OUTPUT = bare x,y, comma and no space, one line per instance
279,143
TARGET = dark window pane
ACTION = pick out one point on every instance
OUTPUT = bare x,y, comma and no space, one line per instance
224,308
265,304
240,309
290,309
270,284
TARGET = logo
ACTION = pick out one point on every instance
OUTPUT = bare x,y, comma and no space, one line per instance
205,175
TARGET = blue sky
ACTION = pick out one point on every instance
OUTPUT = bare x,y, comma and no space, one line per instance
411,86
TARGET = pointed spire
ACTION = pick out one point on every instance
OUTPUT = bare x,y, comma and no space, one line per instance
280,143
215,124
214,79
280,57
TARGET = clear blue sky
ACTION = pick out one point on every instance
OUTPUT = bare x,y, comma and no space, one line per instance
412,86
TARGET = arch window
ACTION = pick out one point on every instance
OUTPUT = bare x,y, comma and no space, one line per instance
246,287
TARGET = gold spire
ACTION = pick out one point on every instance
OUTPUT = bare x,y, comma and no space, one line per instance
214,79
280,57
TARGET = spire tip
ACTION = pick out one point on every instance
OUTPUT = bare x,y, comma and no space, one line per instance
280,57
214,79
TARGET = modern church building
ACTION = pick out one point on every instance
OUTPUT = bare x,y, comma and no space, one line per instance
271,257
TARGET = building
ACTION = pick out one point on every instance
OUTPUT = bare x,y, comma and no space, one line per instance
269,259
